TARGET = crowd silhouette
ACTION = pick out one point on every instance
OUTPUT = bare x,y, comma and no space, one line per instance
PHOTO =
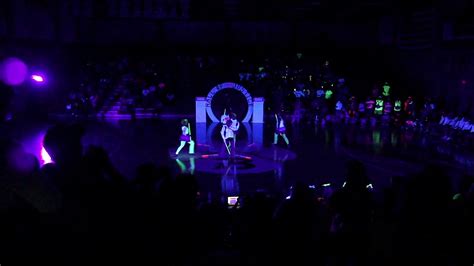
81,208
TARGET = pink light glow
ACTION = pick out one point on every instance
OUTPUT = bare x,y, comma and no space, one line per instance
37,78
45,158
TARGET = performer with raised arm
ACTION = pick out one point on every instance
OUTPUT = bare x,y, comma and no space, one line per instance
185,137
228,137
228,134
224,117
280,130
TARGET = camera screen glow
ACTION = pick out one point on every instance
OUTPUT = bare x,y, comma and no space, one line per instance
232,200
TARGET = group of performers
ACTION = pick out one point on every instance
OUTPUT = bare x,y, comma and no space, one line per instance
331,101
230,127
229,132
375,110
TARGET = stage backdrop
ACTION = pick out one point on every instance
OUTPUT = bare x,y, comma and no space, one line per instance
233,98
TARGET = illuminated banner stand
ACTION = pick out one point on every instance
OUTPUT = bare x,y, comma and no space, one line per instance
254,113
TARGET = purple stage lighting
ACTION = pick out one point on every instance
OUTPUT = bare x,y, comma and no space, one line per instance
34,145
37,78
13,71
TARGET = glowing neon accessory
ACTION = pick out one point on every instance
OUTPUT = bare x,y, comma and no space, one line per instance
398,106
328,94
378,107
386,89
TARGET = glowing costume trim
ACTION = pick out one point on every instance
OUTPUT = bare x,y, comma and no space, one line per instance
378,107
185,137
280,130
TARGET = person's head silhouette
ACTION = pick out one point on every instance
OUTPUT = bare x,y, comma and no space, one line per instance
63,143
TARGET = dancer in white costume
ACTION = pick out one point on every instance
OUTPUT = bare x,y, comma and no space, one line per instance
224,117
229,131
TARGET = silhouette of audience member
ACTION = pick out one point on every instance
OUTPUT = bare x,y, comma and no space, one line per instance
425,229
300,228
463,219
63,144
80,206
19,213
352,208
93,202
178,219
99,167
253,229
147,178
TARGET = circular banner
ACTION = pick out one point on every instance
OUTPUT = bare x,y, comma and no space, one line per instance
228,85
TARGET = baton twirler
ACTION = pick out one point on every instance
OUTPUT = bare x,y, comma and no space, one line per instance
225,144
189,130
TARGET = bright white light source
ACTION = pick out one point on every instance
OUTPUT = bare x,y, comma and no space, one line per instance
45,156
37,78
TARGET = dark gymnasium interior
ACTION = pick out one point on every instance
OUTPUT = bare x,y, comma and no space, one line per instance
237,132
